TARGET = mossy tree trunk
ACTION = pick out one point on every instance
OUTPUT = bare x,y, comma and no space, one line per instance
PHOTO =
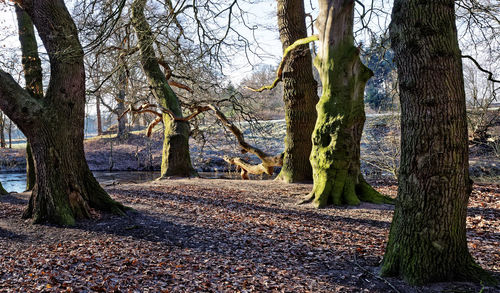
65,189
299,94
176,160
336,138
427,241
32,66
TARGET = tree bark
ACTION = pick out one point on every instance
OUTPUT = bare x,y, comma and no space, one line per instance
9,131
65,189
2,130
32,66
98,113
299,94
427,241
120,108
30,168
176,160
336,138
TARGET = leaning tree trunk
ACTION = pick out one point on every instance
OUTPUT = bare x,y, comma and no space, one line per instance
65,189
175,157
299,94
336,138
33,76
427,241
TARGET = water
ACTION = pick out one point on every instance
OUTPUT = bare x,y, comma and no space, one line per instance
13,182
16,182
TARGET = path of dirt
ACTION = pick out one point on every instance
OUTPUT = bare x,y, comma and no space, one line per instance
200,235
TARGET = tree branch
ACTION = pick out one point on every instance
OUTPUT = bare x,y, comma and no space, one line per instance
279,72
490,74
17,103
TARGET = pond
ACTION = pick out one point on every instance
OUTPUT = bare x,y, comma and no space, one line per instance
16,181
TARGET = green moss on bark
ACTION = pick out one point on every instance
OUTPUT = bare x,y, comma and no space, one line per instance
336,138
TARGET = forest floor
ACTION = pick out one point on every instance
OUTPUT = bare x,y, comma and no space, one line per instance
201,235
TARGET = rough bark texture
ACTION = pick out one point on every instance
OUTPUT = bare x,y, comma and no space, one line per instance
427,241
65,189
176,160
336,138
299,94
30,169
2,130
32,66
98,113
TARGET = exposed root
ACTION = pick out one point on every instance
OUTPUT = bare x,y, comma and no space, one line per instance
340,188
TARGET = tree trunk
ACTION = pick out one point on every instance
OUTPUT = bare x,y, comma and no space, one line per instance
2,130
335,154
30,168
122,123
10,134
98,113
33,76
120,108
427,241
65,189
299,94
175,157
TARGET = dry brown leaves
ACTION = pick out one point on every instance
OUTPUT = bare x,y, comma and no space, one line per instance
203,235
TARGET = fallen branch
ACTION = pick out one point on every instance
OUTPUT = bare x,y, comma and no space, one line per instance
268,162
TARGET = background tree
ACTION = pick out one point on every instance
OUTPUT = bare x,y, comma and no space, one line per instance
33,77
335,156
176,160
427,241
65,189
381,94
299,93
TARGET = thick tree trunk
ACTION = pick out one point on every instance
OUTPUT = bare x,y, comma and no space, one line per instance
98,113
175,157
65,189
33,76
427,241
335,154
299,94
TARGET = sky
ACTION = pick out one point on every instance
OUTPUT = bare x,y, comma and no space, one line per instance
261,14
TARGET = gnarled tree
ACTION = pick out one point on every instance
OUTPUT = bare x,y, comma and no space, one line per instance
176,160
427,241
65,189
335,156
299,94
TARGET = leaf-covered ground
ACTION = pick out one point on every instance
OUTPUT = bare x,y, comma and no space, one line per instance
199,235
